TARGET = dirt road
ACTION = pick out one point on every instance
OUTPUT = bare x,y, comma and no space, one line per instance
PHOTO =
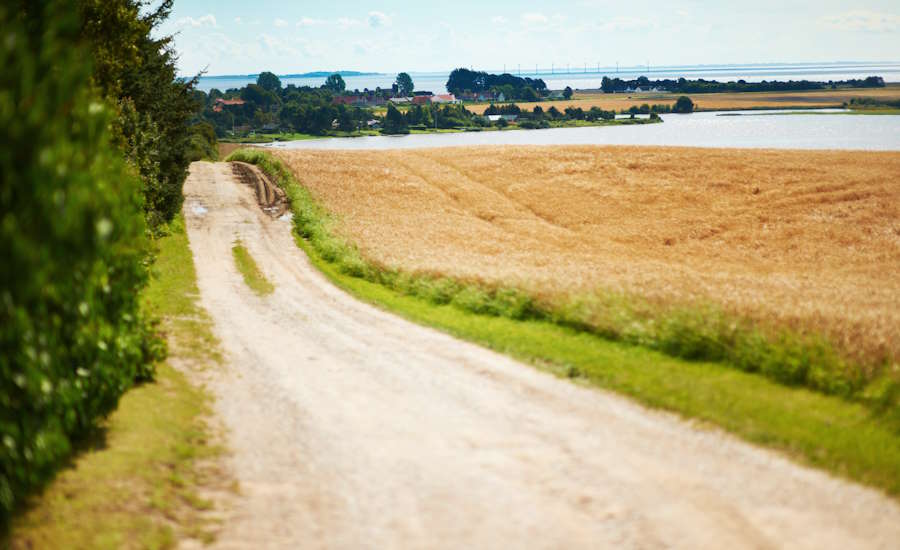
352,428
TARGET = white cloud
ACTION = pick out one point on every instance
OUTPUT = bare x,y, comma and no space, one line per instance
308,22
204,20
378,19
238,20
345,23
625,23
535,19
862,20
499,20
281,23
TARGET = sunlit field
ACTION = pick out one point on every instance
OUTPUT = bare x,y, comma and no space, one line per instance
805,240
719,101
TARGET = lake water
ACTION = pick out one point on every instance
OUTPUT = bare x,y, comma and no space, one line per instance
589,77
750,129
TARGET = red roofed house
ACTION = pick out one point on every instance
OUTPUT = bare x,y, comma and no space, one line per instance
421,100
444,98
220,103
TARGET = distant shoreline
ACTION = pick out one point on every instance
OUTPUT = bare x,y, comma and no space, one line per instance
314,74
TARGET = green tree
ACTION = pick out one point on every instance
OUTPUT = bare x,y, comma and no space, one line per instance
136,71
567,93
346,123
268,81
528,94
394,121
405,85
73,245
335,83
683,105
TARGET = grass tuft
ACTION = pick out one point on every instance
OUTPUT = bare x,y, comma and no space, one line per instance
253,276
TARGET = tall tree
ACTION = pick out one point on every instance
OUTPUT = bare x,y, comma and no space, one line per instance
335,83
136,71
268,81
394,122
405,85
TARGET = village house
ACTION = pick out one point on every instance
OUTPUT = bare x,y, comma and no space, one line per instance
445,98
222,103
359,100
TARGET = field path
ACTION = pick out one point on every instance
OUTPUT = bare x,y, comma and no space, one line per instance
352,428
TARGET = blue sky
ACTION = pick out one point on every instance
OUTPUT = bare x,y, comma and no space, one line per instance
238,37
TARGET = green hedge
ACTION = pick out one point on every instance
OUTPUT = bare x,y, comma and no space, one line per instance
74,251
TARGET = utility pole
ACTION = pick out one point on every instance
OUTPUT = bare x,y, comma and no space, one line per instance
552,67
617,67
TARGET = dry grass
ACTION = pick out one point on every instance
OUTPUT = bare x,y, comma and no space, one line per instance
718,101
805,239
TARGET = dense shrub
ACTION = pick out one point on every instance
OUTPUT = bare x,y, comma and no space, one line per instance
683,105
73,247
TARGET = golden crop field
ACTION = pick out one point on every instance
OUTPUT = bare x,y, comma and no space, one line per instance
810,239
717,101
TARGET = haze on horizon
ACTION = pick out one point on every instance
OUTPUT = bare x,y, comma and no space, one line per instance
230,37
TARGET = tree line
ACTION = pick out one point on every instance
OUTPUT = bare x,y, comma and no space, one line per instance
513,87
98,135
269,105
685,86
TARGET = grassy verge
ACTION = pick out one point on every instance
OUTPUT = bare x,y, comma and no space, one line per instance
253,276
594,340
134,484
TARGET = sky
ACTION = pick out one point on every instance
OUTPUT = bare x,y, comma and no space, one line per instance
229,37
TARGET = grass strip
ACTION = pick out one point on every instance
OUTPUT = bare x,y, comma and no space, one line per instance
134,483
253,276
849,437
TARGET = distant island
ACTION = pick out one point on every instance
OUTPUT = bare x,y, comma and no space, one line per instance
314,74
323,74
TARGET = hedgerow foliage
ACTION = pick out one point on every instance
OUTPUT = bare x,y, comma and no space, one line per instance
136,71
73,248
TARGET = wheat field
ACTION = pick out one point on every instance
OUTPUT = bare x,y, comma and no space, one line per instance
718,101
805,239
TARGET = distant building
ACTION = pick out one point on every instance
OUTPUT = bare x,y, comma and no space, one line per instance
400,100
445,98
421,100
222,103
362,100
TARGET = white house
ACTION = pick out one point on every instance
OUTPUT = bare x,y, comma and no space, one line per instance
445,98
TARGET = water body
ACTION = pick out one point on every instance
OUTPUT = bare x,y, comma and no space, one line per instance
589,77
750,129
